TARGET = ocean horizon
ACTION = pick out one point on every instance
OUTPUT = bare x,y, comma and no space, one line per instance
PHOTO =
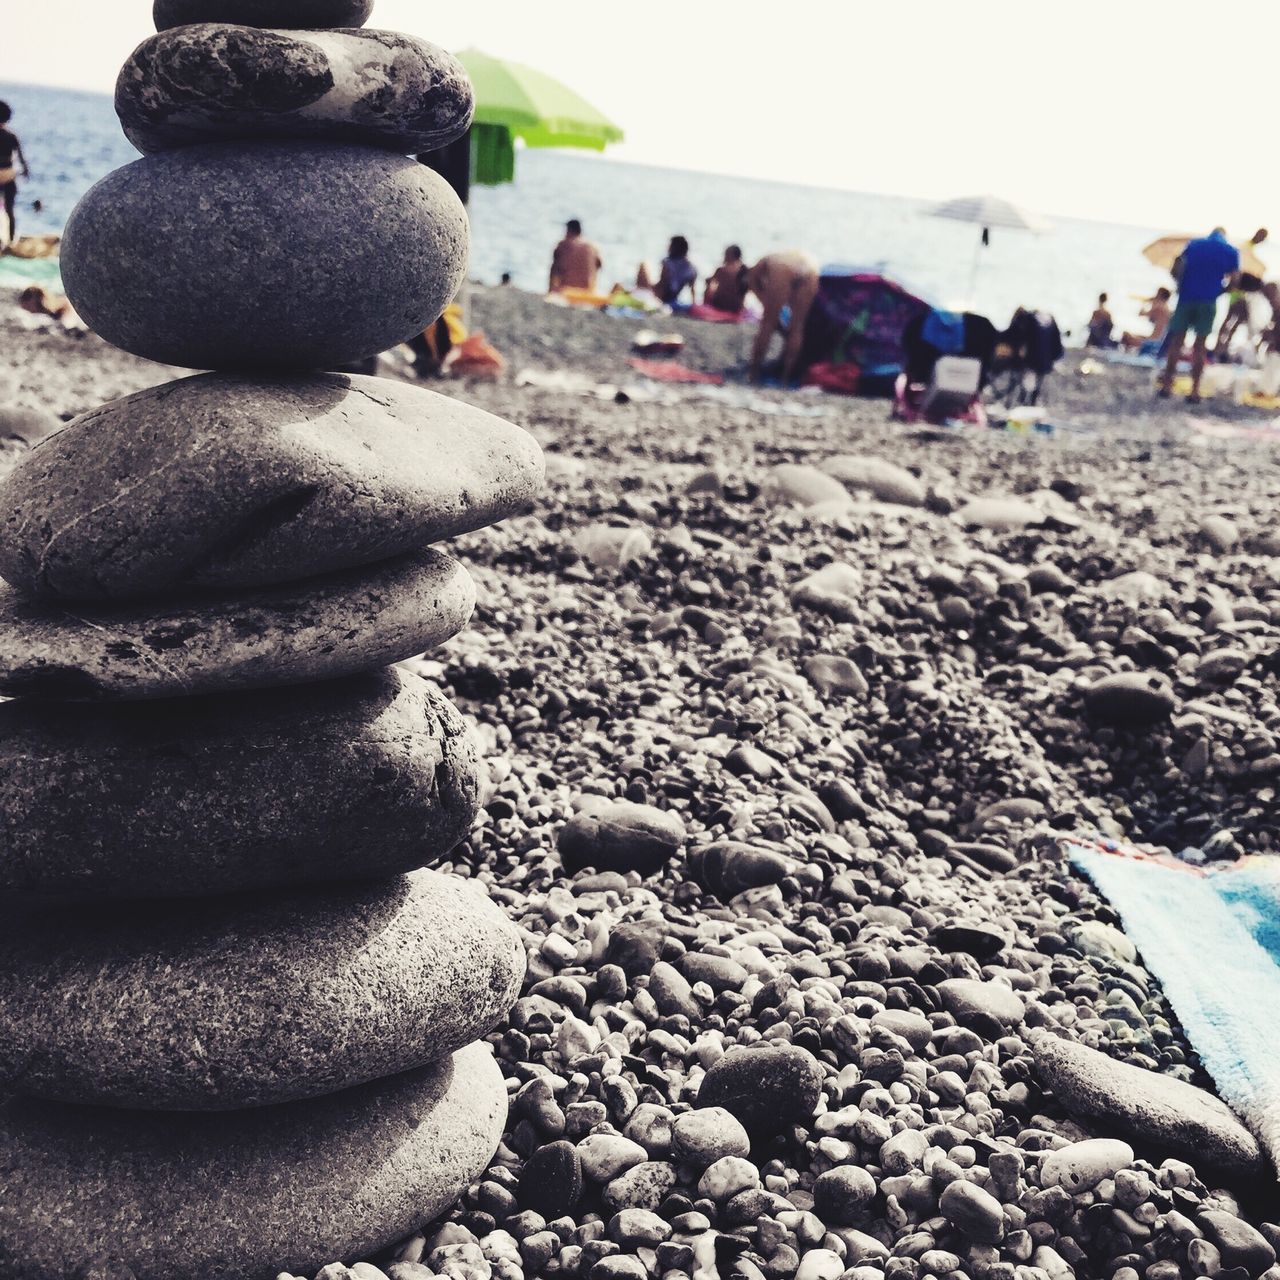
72,139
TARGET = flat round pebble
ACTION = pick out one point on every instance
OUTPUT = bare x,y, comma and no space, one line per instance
250,1193
767,1088
316,629
371,775
1080,1166
706,1134
230,1003
263,13
229,481
377,246
621,836
213,82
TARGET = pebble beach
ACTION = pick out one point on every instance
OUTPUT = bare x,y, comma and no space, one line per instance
785,713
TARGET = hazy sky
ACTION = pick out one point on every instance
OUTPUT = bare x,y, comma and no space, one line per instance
1120,110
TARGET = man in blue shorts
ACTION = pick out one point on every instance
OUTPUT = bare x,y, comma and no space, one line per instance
1202,272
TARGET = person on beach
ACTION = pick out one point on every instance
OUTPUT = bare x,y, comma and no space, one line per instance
1101,325
1240,293
675,275
727,285
575,262
1158,311
782,281
1202,273
11,159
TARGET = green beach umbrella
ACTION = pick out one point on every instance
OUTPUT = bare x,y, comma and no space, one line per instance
515,101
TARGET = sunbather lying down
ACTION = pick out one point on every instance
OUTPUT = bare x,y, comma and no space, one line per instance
44,302
787,279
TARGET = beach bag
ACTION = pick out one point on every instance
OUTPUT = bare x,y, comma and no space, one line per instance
474,357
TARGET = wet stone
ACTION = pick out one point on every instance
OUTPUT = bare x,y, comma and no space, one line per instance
212,82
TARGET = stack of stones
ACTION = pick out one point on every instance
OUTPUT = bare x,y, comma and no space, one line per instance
238,1021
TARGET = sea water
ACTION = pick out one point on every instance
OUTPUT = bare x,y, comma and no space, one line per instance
72,139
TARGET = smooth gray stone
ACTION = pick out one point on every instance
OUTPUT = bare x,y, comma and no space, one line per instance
263,13
249,1001
185,797
222,480
316,629
265,255
244,1196
213,82
1155,1110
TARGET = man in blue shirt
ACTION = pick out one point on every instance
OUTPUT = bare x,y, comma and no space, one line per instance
1202,272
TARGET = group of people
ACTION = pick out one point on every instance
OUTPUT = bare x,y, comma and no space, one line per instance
785,284
1207,267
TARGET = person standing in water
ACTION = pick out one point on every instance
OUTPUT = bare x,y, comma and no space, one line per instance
11,158
788,279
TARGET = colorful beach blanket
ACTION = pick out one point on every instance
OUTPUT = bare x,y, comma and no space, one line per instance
670,371
1212,938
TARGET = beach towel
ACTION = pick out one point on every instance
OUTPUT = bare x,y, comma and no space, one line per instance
1212,938
713,315
669,371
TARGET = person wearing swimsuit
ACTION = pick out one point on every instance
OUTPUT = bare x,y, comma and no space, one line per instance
11,159
677,273
727,285
782,280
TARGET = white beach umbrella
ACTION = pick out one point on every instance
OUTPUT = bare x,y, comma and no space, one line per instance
987,212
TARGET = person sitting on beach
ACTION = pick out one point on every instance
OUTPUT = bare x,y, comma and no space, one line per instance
11,158
1202,272
1157,310
1244,284
785,280
675,275
727,286
575,263
40,301
1100,326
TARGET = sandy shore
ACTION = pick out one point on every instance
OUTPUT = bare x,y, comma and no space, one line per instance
891,752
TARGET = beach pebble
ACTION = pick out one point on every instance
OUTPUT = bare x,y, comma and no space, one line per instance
767,1088
248,1193
820,1264
885,480
263,13
840,1194
1001,515
551,1180
1080,1166
835,589
1219,533
1240,1244
606,546
621,836
706,1134
804,485
1103,941
1130,699
180,257
830,673
972,1210
229,1003
605,1155
316,629
372,775
223,480
643,1186
727,1177
989,1007
212,82
729,867
1151,1108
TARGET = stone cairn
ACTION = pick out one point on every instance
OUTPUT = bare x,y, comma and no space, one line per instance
238,1022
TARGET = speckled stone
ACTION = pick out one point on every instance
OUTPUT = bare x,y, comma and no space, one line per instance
211,82
265,255
246,1002
222,480
290,634
244,1196
263,13
372,775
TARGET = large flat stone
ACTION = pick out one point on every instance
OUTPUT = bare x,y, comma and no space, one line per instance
185,797
1155,1110
264,255
316,629
222,480
263,13
212,82
246,1002
243,1196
